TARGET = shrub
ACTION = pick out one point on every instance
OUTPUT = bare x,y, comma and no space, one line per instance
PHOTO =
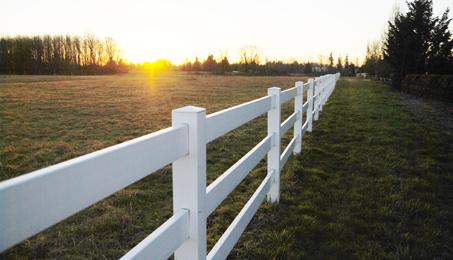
434,86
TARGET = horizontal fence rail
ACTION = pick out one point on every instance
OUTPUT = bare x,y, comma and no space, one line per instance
54,193
169,236
220,123
218,190
223,247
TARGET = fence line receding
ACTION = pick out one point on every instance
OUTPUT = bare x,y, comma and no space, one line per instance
35,201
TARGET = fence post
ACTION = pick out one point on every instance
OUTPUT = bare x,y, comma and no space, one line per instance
321,93
310,105
189,181
332,84
298,104
273,156
324,89
316,103
332,87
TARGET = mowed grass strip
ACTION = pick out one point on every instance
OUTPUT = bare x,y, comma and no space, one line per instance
374,181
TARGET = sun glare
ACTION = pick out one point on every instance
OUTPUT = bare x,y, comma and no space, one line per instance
156,67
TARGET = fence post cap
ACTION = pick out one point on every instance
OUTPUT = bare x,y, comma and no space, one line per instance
299,87
189,109
274,89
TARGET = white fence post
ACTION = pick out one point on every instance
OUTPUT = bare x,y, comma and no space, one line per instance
332,87
273,156
326,90
329,87
189,181
310,105
322,84
298,103
317,94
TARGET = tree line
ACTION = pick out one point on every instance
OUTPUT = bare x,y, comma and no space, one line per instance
250,63
90,55
416,42
61,54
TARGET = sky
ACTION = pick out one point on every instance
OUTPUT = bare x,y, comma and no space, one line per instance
177,30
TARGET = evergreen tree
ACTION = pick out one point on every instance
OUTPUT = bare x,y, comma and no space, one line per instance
196,66
210,63
339,64
308,68
418,43
440,58
330,61
346,62
224,65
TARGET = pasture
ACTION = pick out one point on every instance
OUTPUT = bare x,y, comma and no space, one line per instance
49,119
374,179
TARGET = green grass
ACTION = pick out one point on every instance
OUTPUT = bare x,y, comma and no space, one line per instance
373,180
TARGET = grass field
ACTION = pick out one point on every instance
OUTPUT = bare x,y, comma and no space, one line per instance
374,179
48,119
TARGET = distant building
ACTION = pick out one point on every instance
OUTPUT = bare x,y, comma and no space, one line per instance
362,75
319,69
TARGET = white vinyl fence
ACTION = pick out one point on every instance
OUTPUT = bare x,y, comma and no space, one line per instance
35,201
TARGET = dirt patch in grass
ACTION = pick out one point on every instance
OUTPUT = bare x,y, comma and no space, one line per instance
437,113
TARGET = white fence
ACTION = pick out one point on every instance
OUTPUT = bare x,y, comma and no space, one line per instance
35,201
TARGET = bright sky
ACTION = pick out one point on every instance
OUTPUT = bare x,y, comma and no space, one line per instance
177,29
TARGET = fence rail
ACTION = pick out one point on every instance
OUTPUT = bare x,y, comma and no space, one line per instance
54,193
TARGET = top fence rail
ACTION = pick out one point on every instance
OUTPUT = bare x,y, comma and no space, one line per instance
59,191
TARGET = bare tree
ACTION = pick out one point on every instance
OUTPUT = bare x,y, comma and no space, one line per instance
100,54
110,49
60,54
90,46
250,57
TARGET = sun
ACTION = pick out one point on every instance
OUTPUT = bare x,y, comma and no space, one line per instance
157,67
